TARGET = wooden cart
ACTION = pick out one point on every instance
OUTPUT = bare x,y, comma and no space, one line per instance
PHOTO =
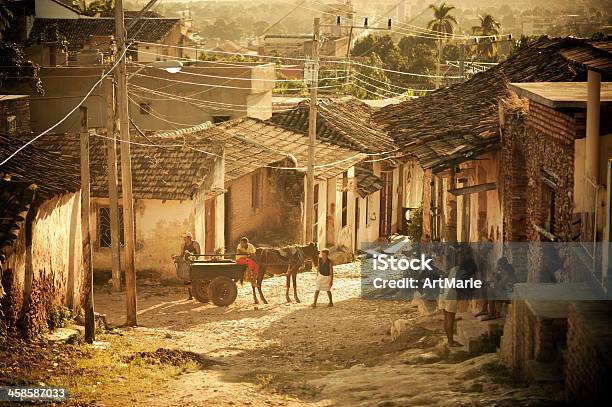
211,280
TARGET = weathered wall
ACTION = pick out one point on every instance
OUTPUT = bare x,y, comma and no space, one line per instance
46,270
588,371
159,229
530,149
279,219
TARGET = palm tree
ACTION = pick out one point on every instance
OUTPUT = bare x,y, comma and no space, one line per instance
488,26
443,24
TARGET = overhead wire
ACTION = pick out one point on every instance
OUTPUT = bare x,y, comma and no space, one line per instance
95,85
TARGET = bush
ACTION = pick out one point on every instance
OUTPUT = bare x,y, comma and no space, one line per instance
415,224
59,317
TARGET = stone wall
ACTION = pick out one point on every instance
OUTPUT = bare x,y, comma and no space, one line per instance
538,147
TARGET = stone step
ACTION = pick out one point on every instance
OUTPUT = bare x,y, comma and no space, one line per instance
544,373
474,333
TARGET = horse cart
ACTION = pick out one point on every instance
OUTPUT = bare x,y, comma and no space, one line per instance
211,279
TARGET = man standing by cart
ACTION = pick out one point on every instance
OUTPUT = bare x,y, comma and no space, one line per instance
190,247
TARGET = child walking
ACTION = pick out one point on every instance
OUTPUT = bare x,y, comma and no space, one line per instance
325,278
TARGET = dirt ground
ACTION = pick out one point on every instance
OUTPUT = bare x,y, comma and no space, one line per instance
293,355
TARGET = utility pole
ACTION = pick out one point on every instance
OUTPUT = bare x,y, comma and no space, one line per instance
312,135
111,167
126,169
90,324
438,65
462,60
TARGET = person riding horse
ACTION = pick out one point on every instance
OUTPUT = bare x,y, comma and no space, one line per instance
244,255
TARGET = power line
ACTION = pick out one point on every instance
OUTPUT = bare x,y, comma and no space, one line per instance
69,113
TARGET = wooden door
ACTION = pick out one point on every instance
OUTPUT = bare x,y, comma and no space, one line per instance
209,225
386,205
356,223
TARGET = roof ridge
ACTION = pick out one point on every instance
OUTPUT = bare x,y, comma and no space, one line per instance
186,130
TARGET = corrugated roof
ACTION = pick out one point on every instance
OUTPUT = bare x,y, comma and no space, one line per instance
79,30
457,123
345,122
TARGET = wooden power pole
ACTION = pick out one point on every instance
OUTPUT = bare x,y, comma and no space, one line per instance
111,166
312,136
90,324
126,169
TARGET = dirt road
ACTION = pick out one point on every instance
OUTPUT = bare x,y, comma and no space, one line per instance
290,355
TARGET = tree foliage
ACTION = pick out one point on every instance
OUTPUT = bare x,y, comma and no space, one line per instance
15,68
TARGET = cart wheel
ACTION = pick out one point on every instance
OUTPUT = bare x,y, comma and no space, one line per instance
199,289
222,291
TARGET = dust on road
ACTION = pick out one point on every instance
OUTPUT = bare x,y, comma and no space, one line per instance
293,355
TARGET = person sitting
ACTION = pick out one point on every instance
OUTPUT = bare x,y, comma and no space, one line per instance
244,255
189,247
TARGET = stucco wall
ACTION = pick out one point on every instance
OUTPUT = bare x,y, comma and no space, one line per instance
159,229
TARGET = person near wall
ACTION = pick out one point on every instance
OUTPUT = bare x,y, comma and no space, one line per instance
325,278
189,248
244,255
500,290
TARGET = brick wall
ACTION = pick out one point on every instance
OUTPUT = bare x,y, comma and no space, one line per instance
19,108
279,219
588,370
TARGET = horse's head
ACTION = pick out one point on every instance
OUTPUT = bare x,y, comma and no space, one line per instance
311,251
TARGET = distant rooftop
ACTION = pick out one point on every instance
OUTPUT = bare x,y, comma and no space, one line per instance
560,94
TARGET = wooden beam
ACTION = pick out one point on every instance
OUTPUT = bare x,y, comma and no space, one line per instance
473,189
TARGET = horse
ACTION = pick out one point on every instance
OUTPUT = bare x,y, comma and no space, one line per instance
292,256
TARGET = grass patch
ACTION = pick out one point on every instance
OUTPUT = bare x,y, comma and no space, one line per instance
121,371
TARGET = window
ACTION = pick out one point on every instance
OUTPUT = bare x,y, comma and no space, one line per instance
548,208
10,124
104,232
221,118
257,190
344,199
145,108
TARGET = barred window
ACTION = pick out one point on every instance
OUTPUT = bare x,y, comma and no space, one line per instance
104,227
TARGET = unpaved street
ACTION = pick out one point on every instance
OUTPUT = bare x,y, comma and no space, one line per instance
293,355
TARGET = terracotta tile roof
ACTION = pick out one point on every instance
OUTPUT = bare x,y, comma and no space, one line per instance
345,122
457,123
53,173
367,182
167,171
596,56
241,156
330,159
78,30
15,201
